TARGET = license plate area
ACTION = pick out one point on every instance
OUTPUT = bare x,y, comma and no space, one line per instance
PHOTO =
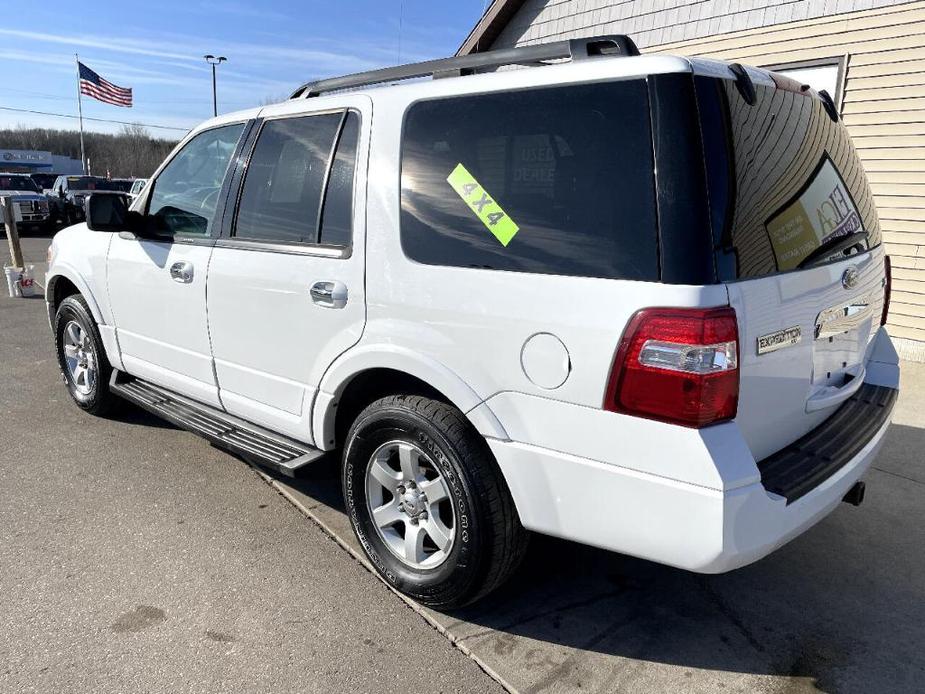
841,333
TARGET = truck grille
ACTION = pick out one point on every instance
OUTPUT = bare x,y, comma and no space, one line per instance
33,210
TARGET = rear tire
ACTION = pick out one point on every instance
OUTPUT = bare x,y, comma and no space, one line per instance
416,465
81,356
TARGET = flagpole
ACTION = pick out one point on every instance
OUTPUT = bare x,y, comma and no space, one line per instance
80,114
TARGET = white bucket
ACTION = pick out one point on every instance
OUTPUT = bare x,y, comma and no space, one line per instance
13,275
27,281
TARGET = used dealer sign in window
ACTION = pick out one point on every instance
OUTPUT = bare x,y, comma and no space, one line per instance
822,210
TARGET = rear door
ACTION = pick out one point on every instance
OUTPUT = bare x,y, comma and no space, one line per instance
797,240
286,290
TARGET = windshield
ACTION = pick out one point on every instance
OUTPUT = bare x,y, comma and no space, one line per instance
23,183
122,185
90,183
785,183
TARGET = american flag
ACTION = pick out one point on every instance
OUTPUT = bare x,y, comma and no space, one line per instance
93,85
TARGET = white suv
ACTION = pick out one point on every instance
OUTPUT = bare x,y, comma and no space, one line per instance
632,301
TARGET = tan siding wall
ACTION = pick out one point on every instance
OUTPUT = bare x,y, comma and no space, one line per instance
884,109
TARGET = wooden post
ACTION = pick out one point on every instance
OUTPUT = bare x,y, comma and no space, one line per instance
12,235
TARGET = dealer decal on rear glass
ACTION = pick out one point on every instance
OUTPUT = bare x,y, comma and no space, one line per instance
822,210
481,203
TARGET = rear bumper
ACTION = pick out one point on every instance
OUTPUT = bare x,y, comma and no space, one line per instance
670,522
806,463
707,523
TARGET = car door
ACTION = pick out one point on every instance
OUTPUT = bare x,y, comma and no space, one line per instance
286,286
157,283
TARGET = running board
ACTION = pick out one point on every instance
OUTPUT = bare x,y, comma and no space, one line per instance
251,442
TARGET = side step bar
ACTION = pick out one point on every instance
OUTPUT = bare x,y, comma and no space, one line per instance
252,442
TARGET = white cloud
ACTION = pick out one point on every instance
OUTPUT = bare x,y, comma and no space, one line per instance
102,43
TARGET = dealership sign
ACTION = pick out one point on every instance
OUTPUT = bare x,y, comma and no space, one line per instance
821,211
24,156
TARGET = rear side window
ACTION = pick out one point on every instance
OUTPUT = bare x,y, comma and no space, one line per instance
555,180
337,212
282,191
784,179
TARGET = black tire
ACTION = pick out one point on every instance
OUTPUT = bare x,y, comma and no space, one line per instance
489,539
94,398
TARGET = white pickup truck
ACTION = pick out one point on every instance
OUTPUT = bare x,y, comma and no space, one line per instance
32,205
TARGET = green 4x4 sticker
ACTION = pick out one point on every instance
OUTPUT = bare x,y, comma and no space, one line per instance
476,197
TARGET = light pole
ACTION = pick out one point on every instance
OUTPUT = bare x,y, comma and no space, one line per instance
213,61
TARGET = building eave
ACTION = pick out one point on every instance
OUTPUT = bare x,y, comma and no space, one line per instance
491,24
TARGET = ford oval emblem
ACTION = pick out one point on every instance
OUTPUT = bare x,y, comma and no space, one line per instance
849,279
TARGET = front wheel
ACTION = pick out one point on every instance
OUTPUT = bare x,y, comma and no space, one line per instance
81,356
428,502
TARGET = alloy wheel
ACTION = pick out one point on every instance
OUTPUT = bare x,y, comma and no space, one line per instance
410,506
80,358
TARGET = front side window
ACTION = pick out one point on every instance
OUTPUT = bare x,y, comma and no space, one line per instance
186,192
556,180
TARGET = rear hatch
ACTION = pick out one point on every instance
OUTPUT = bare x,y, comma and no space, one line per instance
797,242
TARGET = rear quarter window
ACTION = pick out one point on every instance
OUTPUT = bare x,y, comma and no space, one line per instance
554,180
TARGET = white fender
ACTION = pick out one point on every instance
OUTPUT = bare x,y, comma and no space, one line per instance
71,274
389,356
107,331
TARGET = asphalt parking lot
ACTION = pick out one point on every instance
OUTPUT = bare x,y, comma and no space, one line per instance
135,557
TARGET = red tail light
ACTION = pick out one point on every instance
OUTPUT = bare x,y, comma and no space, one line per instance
677,365
887,288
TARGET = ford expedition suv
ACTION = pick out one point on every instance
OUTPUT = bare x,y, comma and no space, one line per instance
633,301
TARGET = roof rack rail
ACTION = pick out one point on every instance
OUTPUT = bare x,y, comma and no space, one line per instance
572,49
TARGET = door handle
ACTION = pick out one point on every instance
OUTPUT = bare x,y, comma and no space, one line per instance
835,395
329,294
182,272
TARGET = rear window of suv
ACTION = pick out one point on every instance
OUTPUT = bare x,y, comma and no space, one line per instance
784,179
556,180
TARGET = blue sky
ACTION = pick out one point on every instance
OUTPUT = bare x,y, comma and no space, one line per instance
156,48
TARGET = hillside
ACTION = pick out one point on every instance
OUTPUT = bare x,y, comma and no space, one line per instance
131,153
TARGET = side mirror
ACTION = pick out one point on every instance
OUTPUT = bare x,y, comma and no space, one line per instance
109,212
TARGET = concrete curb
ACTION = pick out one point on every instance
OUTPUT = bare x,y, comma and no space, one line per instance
418,609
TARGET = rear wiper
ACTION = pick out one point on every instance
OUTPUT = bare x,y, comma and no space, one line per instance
833,246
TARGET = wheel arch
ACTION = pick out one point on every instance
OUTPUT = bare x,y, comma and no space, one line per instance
365,374
65,282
